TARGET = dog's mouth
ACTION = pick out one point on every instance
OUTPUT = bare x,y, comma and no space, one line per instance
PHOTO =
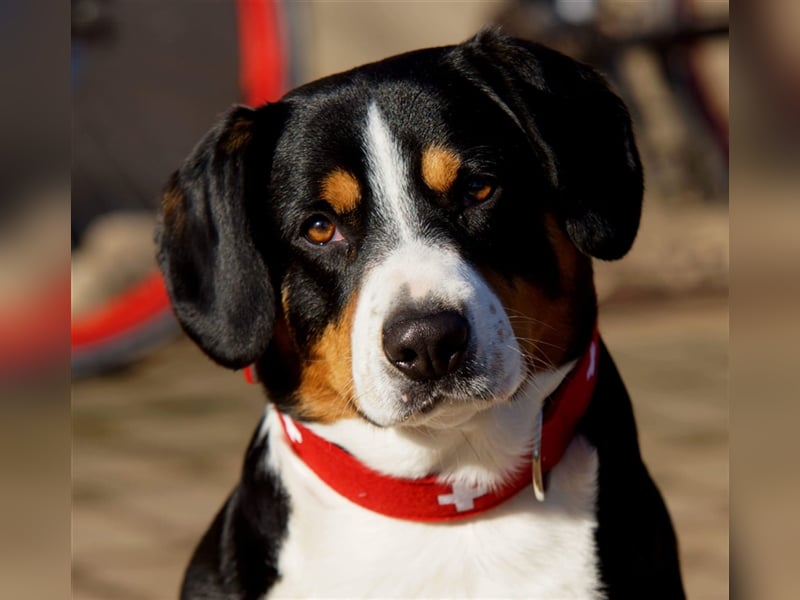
426,406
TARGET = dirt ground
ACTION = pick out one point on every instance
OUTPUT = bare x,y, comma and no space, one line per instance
158,446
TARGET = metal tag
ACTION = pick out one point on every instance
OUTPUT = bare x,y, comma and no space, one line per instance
538,478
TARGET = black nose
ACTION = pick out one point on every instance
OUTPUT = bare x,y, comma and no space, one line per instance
427,347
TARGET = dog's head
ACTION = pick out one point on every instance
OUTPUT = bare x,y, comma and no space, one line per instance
408,238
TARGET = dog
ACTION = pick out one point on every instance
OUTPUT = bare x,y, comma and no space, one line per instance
403,254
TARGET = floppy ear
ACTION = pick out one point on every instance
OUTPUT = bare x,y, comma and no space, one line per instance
216,275
583,133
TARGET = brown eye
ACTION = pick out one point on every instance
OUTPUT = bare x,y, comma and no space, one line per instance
478,189
320,230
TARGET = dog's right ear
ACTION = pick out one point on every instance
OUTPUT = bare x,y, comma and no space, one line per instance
581,129
216,275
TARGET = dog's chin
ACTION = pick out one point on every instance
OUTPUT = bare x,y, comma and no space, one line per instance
451,411
445,405
446,414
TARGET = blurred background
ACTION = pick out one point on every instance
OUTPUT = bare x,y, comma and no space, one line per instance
159,432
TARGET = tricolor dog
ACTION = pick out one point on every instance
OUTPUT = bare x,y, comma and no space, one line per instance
403,254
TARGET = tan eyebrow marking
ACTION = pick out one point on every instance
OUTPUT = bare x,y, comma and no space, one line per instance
341,190
439,168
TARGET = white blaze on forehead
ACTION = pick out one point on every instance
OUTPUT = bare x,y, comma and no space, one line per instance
425,270
417,272
388,173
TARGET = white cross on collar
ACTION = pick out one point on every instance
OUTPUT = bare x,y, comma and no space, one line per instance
463,496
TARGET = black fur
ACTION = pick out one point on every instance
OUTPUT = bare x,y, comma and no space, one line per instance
238,556
635,540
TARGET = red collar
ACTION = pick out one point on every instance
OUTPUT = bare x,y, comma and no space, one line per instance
427,499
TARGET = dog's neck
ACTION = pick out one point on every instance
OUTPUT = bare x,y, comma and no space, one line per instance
484,448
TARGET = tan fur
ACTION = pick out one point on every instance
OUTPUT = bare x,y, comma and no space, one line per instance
173,207
439,168
326,385
341,190
571,261
545,327
237,136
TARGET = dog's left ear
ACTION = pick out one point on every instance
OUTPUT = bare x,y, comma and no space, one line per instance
581,129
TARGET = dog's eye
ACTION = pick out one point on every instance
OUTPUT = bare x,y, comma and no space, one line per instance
478,188
320,230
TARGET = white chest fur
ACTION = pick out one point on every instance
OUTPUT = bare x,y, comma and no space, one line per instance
523,548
